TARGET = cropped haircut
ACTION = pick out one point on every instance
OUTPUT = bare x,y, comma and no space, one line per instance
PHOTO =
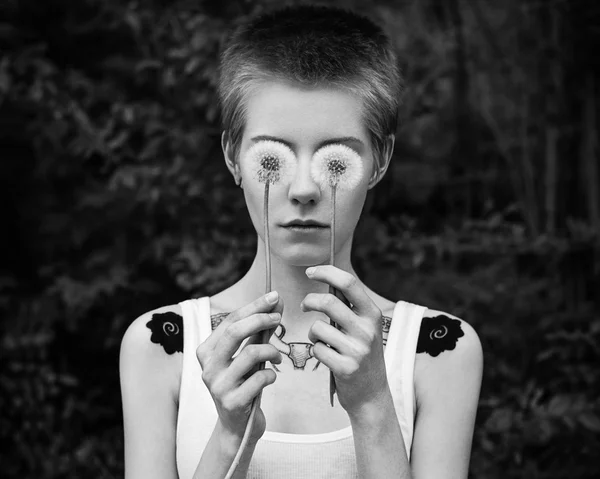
311,46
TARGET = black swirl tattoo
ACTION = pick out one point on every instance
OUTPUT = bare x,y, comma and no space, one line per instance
438,334
167,330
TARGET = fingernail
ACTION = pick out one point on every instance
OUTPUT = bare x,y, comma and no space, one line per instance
272,297
310,270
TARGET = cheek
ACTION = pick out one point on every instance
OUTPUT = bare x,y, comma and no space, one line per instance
349,205
254,195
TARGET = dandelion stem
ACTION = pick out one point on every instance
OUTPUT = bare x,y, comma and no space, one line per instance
331,288
264,340
332,215
267,240
265,333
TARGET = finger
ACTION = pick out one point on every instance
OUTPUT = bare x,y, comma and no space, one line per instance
338,363
254,384
270,302
338,294
235,333
264,337
349,285
332,307
265,304
326,333
250,358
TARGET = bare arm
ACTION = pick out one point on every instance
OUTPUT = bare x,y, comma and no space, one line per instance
219,454
378,442
448,378
149,380
447,383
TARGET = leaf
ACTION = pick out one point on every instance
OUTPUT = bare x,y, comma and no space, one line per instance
5,78
191,65
500,421
134,22
147,64
118,140
590,420
559,405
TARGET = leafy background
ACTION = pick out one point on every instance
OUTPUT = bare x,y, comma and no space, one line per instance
115,200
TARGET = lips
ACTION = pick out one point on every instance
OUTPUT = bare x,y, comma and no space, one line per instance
305,223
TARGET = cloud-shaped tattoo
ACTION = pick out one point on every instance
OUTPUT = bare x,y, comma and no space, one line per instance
438,334
167,330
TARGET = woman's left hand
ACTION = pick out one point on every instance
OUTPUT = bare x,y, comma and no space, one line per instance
355,354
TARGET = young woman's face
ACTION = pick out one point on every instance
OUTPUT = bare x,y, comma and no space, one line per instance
305,120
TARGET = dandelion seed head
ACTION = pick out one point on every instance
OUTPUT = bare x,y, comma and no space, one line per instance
338,166
271,161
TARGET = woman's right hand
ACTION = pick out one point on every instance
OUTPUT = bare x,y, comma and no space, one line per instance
234,382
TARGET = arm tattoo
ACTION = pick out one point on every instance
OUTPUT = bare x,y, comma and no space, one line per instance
438,334
167,330
299,352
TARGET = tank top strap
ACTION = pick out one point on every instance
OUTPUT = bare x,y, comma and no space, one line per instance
197,414
400,354
196,321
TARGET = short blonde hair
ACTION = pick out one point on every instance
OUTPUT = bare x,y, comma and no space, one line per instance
311,46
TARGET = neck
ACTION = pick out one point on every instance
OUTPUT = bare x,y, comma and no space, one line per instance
292,284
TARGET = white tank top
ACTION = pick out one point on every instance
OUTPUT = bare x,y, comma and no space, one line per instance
282,455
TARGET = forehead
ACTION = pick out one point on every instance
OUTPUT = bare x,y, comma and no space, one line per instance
286,109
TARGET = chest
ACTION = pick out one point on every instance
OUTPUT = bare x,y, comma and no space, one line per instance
298,402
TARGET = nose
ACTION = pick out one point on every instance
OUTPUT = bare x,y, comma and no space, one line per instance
303,188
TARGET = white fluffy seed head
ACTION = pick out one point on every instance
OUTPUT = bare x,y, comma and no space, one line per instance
337,165
271,161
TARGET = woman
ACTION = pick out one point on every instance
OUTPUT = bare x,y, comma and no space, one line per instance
407,378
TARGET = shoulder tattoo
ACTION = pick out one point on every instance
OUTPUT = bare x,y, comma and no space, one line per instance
216,319
386,322
438,334
167,330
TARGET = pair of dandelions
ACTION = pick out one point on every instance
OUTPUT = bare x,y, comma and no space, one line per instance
336,166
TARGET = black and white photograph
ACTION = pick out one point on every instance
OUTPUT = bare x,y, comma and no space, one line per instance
290,239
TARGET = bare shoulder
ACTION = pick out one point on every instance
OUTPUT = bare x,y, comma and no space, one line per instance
152,347
150,369
448,352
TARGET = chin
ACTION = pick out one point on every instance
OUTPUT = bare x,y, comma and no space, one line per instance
303,255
